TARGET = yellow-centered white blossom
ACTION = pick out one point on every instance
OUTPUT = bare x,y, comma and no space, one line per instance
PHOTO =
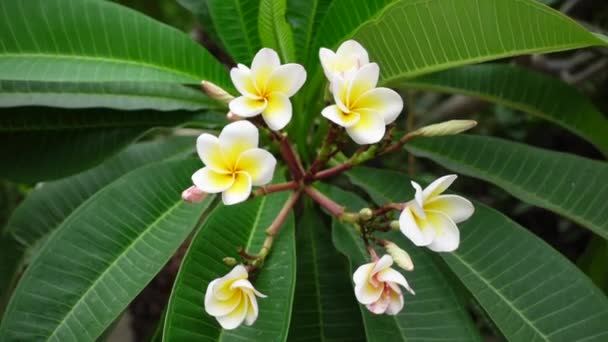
349,57
377,286
233,162
266,88
430,218
361,108
232,300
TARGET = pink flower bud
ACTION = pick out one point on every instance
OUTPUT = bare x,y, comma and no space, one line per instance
193,195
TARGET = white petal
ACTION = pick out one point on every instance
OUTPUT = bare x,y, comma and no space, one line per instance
237,272
339,90
264,63
278,112
354,49
236,138
243,81
327,58
216,307
447,235
379,307
252,310
363,273
246,107
384,263
366,293
236,317
337,116
395,303
419,198
387,102
259,164
438,186
368,130
208,149
212,182
391,275
365,79
239,191
455,207
409,227
286,79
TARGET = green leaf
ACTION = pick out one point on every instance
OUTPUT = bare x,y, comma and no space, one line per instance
97,41
227,228
236,23
305,17
10,256
274,31
116,95
103,255
529,290
567,184
200,9
39,143
525,90
435,312
325,307
420,37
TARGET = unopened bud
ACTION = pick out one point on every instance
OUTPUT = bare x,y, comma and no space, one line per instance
215,92
232,117
395,225
445,128
193,195
229,261
365,214
400,257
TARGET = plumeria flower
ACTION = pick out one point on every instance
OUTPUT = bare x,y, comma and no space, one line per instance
233,162
377,286
361,108
430,218
266,88
349,57
231,299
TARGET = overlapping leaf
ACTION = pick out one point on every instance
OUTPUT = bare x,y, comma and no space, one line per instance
435,312
525,90
95,41
530,291
567,184
305,17
103,255
325,307
274,31
227,228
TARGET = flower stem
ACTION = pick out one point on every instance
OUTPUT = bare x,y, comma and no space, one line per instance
289,155
333,171
324,201
269,189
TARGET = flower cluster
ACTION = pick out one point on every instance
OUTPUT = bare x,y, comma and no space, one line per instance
234,164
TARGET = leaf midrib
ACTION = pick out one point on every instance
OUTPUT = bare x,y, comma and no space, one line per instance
113,263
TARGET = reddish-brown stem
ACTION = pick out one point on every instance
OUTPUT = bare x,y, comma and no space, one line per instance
398,144
324,201
332,171
372,253
325,153
265,190
292,161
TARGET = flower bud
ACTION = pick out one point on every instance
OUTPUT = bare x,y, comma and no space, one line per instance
365,214
451,127
401,257
215,92
395,225
229,261
193,195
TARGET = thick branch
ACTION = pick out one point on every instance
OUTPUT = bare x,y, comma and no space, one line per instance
325,202
269,189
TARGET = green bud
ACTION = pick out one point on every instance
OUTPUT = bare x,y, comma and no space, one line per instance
365,214
451,127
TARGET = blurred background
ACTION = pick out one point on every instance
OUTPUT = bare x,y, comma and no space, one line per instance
587,69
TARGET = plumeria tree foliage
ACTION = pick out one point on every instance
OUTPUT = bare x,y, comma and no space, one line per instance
291,236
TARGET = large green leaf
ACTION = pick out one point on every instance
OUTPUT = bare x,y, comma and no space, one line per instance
39,143
236,23
414,37
567,184
95,41
274,31
325,307
227,228
435,312
103,255
525,90
305,17
116,95
530,291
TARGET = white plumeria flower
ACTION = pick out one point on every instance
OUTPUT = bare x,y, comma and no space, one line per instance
430,218
233,162
361,108
266,88
377,286
349,57
231,299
